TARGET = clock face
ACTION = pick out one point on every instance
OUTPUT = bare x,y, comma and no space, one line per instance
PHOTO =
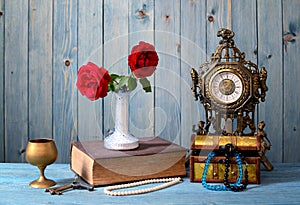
226,87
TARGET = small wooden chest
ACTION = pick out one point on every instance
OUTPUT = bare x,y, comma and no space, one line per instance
216,170
201,145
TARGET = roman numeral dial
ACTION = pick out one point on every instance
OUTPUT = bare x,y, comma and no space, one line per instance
226,87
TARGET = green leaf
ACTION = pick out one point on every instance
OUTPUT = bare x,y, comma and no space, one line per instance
146,84
114,76
123,81
112,86
132,83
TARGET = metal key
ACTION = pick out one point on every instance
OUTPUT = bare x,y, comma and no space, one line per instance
58,190
78,185
75,185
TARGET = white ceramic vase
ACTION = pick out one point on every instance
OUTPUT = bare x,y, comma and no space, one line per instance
120,138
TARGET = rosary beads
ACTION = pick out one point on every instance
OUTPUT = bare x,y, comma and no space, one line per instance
237,186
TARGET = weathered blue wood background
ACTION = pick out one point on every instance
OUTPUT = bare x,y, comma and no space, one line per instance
43,43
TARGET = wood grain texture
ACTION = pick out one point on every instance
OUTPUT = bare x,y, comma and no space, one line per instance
39,98
2,119
192,55
270,56
90,37
40,69
64,76
16,80
291,98
167,92
281,186
244,25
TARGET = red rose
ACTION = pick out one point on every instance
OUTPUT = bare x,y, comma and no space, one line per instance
93,81
143,60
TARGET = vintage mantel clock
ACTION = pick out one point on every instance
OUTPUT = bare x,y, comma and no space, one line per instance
229,87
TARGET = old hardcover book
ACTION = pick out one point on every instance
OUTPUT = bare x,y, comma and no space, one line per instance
154,158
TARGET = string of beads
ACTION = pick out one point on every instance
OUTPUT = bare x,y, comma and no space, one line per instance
167,182
238,185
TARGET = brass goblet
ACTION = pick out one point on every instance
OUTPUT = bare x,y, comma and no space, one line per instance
41,153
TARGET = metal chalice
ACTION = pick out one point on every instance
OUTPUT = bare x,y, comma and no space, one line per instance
41,152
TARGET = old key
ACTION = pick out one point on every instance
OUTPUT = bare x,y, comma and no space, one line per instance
75,185
58,190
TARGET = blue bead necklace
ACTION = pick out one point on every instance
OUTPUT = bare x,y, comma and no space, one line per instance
229,150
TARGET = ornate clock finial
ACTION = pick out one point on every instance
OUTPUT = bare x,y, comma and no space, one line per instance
227,36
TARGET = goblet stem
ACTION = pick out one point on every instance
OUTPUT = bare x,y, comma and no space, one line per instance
42,181
42,173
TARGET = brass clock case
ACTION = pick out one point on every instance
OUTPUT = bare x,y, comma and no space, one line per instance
229,87
230,97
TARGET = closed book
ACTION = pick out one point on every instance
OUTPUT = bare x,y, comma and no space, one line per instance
154,158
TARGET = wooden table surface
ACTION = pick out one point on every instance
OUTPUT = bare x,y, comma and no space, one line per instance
280,186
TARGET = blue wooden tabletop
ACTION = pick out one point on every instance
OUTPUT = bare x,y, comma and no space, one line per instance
280,186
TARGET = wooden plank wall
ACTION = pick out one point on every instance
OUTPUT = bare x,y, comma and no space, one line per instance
1,82
42,47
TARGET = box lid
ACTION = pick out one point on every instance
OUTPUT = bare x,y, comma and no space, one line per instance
212,142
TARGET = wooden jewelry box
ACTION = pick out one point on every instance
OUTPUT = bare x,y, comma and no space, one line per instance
201,145
216,170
